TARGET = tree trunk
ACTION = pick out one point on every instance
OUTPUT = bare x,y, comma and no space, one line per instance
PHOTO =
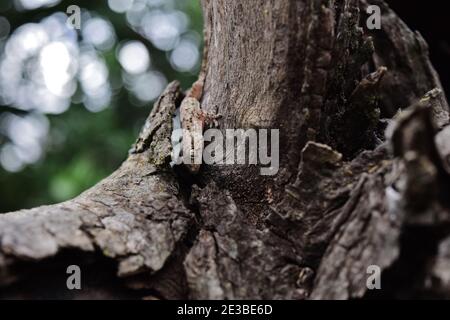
346,196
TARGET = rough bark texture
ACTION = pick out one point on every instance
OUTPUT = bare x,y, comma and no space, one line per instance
347,195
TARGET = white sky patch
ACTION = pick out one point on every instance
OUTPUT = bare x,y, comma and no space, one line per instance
93,74
9,158
134,57
148,86
185,56
55,62
164,28
26,130
37,71
157,3
34,4
26,41
94,82
56,27
28,135
98,102
42,64
44,101
120,6
100,33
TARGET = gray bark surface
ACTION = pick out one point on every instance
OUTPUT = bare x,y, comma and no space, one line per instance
347,195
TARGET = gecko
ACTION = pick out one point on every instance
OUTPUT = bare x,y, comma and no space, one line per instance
194,119
193,122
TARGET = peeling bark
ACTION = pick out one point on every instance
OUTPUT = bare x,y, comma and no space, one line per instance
347,195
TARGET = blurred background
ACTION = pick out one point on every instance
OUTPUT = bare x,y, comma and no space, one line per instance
73,101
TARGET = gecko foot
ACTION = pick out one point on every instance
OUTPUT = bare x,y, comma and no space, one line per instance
210,118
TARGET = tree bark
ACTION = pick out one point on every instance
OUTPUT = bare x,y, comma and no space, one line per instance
346,196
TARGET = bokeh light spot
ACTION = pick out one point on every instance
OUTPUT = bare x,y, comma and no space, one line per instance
134,57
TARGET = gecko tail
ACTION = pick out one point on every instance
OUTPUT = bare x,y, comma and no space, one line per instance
196,91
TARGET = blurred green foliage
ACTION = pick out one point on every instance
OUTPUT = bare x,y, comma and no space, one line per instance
82,146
